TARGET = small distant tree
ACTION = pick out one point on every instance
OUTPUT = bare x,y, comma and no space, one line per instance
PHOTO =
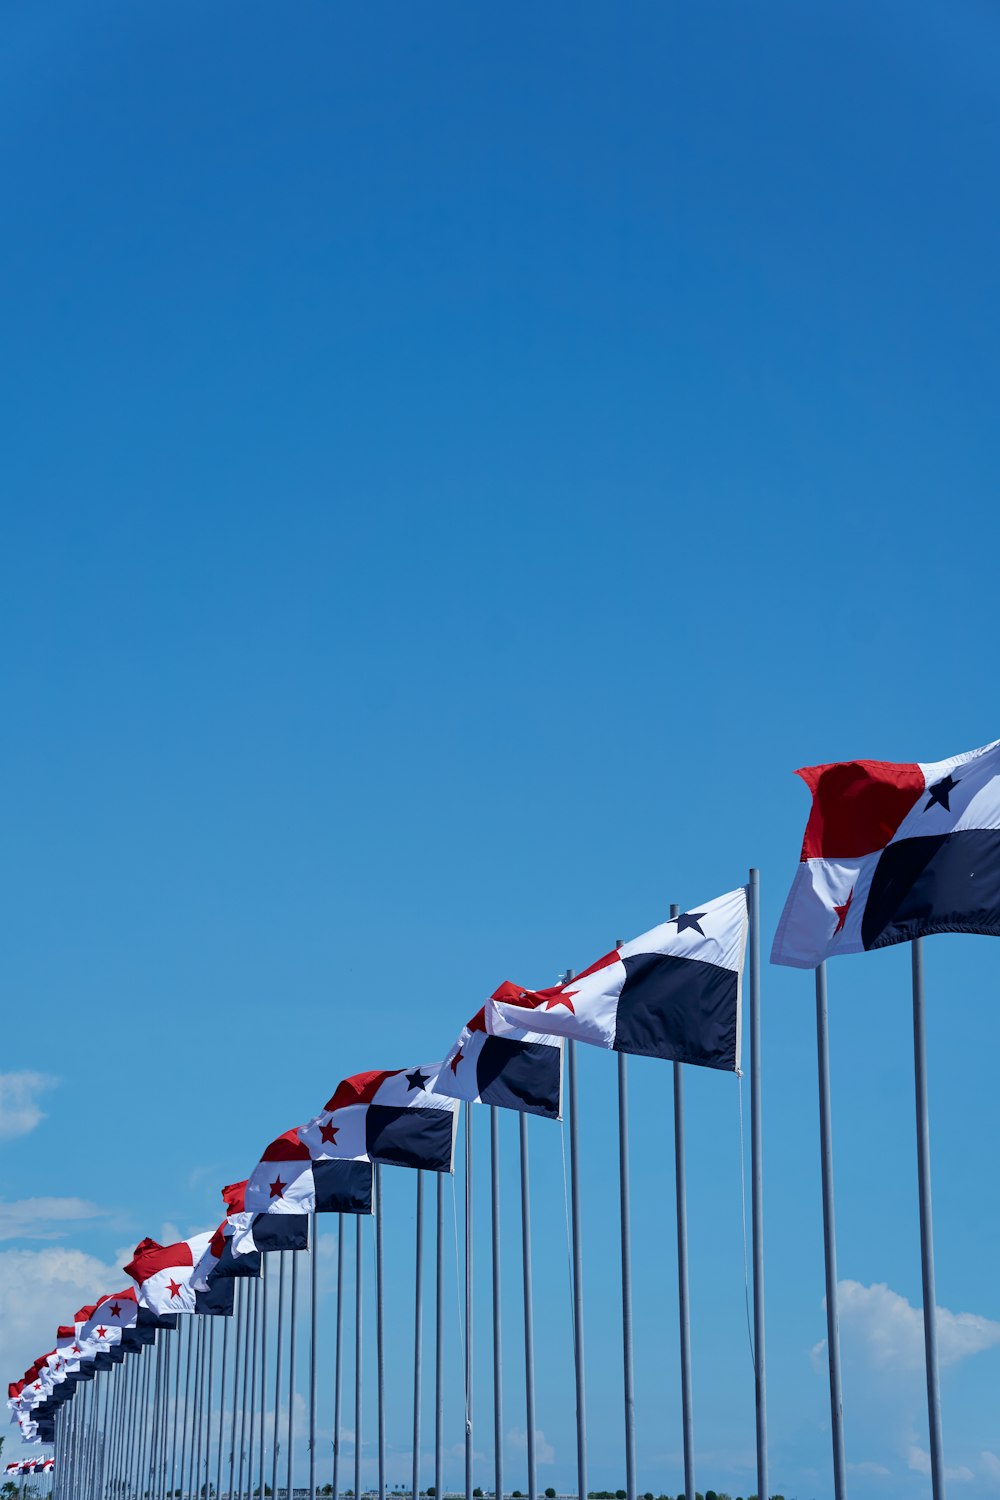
516,1495
711,1495
477,1493
430,1490
620,1495
550,1493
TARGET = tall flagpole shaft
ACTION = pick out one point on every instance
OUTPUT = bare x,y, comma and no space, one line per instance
338,1358
241,1302
208,1406
262,1436
578,1346
926,1221
187,1321
380,1330
439,1344
757,1186
245,1386
251,1431
358,1308
830,1237
683,1301
625,1198
468,1301
529,1319
418,1329
275,1444
222,1407
313,1269
497,1323
291,1371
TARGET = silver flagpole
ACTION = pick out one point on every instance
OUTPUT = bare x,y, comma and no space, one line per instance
757,1188
380,1331
683,1303
313,1266
196,1416
626,1249
357,1359
468,1301
241,1309
244,1388
275,1445
261,1441
207,1446
251,1446
292,1310
926,1221
439,1345
529,1322
830,1237
144,1420
338,1357
222,1408
497,1328
574,1166
418,1273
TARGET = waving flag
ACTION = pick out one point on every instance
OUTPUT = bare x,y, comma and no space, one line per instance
109,1317
522,1070
219,1261
674,992
398,1118
893,852
163,1273
253,1232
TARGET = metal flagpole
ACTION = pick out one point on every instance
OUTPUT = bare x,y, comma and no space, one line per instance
626,1248
275,1445
497,1329
244,1387
140,1459
380,1331
357,1360
263,1378
338,1357
684,1308
830,1237
208,1406
468,1301
926,1220
574,1166
418,1274
529,1324
757,1186
222,1407
313,1265
241,1312
291,1369
196,1415
439,1344
252,1426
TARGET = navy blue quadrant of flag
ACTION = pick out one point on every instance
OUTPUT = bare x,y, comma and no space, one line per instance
682,1009
229,1264
410,1137
519,1075
343,1187
934,883
219,1300
281,1232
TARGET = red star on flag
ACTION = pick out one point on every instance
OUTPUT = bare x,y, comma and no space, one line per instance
328,1133
76,1348
842,913
278,1187
453,1065
116,1309
174,1288
560,1000
102,1332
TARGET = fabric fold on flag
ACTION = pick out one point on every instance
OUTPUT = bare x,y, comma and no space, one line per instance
163,1274
521,1070
675,992
894,851
398,1118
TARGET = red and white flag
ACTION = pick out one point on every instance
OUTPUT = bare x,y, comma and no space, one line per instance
163,1273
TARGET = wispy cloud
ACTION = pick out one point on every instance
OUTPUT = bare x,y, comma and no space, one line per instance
43,1218
19,1108
889,1331
517,1437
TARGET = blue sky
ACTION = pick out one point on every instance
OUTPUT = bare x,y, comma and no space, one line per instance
458,462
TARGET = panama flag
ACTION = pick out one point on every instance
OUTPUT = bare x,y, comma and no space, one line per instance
399,1118
674,992
219,1260
894,852
163,1273
252,1233
282,1181
109,1317
521,1070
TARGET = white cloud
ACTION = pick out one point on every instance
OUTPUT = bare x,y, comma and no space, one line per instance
517,1437
19,1111
868,1469
919,1460
990,1465
39,1218
890,1331
39,1289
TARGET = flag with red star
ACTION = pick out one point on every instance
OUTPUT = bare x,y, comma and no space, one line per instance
522,1070
110,1316
163,1273
398,1117
894,851
674,992
250,1234
219,1260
